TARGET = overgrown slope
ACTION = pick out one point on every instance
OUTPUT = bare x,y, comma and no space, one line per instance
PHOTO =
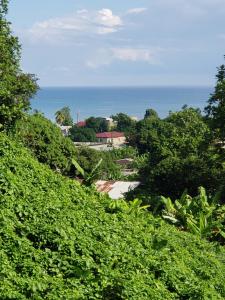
57,241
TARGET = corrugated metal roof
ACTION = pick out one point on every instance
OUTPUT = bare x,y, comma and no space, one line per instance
116,189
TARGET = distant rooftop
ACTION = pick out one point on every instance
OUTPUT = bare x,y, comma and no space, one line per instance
116,189
81,124
109,135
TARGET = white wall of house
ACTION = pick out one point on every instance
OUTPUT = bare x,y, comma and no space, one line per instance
114,141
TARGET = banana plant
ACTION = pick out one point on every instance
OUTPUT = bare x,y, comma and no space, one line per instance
131,207
199,215
87,177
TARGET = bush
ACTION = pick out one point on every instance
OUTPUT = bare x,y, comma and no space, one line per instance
46,142
60,241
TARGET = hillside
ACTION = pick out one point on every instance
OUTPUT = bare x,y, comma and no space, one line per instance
60,241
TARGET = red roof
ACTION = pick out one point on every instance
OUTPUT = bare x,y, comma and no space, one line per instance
109,135
81,124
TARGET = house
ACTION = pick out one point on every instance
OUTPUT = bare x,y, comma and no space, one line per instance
113,137
81,124
65,129
116,189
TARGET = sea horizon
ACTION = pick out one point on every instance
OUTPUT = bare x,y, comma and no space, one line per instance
104,101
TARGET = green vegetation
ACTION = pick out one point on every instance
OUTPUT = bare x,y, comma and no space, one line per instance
124,123
178,154
200,215
63,117
46,142
82,134
16,87
97,124
216,106
62,241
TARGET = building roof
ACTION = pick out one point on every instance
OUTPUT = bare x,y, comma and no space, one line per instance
109,135
81,124
116,189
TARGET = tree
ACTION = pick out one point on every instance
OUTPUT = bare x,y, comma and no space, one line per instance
82,134
216,106
97,124
16,87
124,122
63,117
178,154
46,142
151,113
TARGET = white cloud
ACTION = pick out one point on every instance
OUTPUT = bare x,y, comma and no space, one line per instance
133,54
81,22
104,57
106,18
137,10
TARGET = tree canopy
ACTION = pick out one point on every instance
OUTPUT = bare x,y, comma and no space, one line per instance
216,106
46,142
63,117
82,134
97,124
178,153
124,122
16,87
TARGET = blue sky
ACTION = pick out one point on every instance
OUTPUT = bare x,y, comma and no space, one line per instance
120,43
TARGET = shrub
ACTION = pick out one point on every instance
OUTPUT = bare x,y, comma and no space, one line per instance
61,241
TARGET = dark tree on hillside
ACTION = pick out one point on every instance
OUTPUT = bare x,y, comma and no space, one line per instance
97,124
151,113
216,105
82,134
16,87
124,122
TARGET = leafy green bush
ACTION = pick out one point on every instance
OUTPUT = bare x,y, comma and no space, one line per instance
61,241
200,215
46,142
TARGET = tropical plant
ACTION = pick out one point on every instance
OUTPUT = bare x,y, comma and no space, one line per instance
131,207
200,215
59,240
63,117
87,178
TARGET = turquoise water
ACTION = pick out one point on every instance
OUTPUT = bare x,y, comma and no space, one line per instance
107,101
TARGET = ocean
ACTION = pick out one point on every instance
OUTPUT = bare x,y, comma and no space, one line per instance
104,102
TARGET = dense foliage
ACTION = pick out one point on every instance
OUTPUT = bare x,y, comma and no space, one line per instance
46,142
82,134
61,241
63,117
97,124
178,154
124,123
16,87
201,215
216,106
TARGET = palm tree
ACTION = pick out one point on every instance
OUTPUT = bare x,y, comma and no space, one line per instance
59,117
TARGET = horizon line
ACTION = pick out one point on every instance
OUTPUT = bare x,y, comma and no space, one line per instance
126,86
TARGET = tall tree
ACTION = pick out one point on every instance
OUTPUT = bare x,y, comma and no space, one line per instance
16,87
63,117
216,106
97,124
124,122
151,113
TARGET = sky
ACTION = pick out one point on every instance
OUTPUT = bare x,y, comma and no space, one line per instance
120,43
